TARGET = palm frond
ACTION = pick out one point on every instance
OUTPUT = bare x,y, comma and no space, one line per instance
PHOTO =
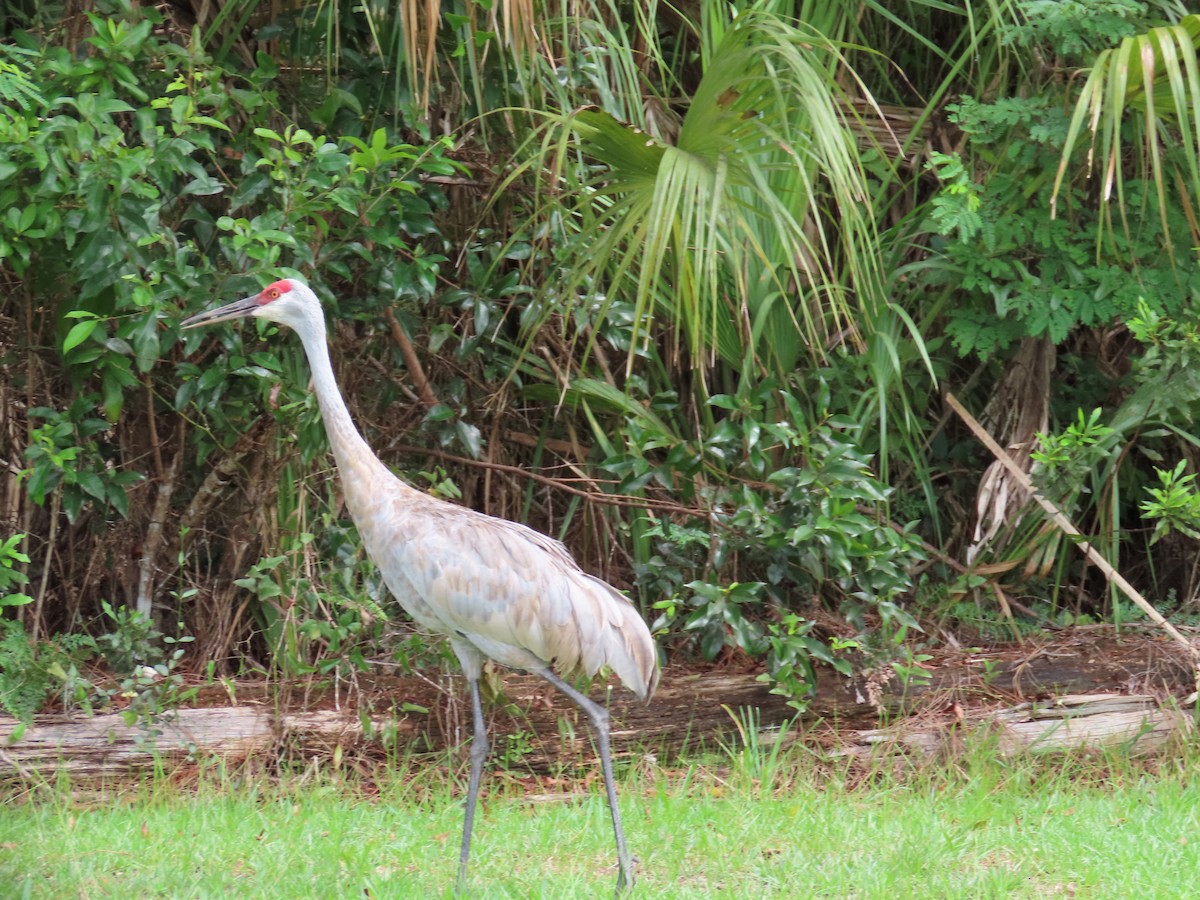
1156,74
748,233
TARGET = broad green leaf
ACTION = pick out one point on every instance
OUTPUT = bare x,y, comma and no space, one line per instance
79,333
92,484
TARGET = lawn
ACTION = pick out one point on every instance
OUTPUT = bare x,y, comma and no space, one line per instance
744,825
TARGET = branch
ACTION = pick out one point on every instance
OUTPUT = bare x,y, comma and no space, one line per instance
1113,576
162,505
428,397
664,506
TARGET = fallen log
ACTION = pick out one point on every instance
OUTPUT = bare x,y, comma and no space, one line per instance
533,727
107,745
1074,722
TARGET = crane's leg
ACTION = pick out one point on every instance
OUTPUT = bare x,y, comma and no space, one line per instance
479,752
599,716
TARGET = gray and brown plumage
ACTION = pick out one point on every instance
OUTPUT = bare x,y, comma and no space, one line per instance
496,589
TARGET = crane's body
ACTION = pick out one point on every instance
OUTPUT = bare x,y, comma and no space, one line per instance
497,589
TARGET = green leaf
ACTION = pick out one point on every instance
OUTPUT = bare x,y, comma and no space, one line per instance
114,393
111,105
204,186
79,333
91,483
471,437
209,121
119,500
72,503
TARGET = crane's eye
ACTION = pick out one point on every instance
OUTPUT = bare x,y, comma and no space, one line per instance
273,293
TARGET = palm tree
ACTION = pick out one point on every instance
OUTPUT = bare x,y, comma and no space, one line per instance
743,241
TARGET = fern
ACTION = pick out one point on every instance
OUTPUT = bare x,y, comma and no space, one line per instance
15,86
30,673
24,685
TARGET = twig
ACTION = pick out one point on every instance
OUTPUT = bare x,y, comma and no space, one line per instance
1113,576
154,445
452,180
55,508
925,545
594,496
389,374
428,397
554,445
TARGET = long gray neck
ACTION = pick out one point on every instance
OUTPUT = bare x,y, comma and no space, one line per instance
354,457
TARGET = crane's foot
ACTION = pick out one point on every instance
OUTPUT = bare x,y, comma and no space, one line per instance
625,879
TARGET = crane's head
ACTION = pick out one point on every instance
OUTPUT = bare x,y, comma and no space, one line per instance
289,302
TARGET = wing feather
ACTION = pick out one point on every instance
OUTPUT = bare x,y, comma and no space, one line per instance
514,593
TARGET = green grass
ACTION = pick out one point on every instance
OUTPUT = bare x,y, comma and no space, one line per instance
974,827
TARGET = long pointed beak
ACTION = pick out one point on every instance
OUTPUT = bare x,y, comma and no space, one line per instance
235,310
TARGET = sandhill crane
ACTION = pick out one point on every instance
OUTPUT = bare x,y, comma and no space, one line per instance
495,589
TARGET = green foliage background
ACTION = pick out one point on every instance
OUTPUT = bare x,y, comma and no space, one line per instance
680,289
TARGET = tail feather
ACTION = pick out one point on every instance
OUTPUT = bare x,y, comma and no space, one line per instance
625,644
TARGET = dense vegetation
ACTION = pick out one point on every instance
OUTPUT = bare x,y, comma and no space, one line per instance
680,286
